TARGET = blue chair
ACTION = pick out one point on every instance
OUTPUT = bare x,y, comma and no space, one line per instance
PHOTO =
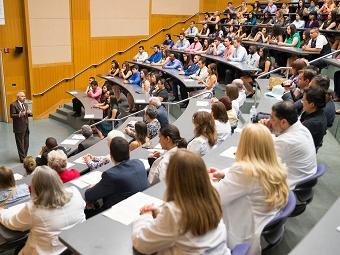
274,230
304,190
240,249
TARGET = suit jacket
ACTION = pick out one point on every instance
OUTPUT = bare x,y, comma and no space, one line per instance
20,124
88,142
43,159
118,183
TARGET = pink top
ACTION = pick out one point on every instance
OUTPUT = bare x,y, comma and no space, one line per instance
195,46
95,94
228,51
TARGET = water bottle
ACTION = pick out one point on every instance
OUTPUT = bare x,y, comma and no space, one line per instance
253,114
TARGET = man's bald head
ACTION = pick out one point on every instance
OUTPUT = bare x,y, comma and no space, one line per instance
21,96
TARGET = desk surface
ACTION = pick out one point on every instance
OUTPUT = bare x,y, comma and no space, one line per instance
88,103
139,96
323,238
189,83
332,61
292,50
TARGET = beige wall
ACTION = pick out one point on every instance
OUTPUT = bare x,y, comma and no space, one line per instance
175,7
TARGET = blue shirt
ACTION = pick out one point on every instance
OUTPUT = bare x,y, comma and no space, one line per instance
175,64
168,43
155,58
192,69
135,78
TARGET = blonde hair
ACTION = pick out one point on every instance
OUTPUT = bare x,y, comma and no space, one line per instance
47,189
189,187
256,153
57,160
205,125
29,164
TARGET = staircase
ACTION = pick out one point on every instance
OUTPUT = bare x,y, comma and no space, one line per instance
64,115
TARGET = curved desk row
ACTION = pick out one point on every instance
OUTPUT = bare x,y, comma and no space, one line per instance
332,61
291,50
88,103
241,66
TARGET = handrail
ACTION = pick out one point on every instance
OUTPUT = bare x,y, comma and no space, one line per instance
324,56
114,54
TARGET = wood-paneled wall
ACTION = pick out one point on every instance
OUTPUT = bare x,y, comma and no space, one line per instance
85,51
12,34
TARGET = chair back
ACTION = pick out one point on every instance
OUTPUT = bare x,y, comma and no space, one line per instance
241,249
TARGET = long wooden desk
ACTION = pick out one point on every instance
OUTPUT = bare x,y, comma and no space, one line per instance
291,50
324,238
139,96
88,103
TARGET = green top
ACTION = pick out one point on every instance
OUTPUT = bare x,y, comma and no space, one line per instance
290,40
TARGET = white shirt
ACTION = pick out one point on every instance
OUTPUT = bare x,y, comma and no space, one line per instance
253,59
45,224
223,130
245,212
321,41
201,74
239,54
296,149
241,97
299,24
236,107
141,57
163,235
158,169
191,31
199,145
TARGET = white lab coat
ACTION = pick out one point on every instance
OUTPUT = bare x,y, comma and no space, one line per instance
199,145
45,224
223,130
163,235
245,212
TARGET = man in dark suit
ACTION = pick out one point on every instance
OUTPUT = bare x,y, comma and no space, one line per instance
124,179
19,113
90,140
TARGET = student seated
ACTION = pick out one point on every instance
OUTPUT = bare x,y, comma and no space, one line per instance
313,116
29,164
57,160
94,162
76,104
125,178
317,43
50,145
216,48
182,43
94,91
256,182
205,133
162,114
90,140
142,55
170,140
156,56
192,30
141,135
9,192
240,53
177,227
232,116
195,46
52,209
220,115
293,142
152,123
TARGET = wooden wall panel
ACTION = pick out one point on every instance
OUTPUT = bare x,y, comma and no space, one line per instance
13,34
87,50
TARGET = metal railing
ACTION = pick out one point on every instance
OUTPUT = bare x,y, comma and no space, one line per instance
113,55
324,56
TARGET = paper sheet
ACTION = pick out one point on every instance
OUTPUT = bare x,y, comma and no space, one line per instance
78,137
70,142
73,92
188,80
79,183
204,110
146,163
202,103
230,152
158,146
18,177
88,116
128,210
132,122
140,101
69,165
92,178
79,161
153,150
238,130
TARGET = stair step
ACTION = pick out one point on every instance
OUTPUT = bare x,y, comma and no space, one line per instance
68,106
64,111
59,117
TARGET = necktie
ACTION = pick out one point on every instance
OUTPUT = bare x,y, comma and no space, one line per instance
190,30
